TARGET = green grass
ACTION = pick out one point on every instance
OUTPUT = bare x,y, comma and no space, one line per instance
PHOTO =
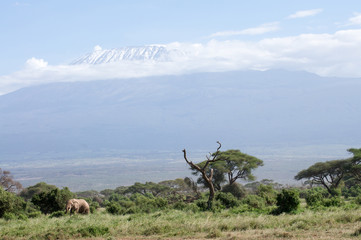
335,223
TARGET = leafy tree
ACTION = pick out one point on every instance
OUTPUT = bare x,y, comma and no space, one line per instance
52,201
206,172
149,187
355,168
29,192
328,174
237,165
8,183
107,192
253,186
218,176
231,165
235,189
178,185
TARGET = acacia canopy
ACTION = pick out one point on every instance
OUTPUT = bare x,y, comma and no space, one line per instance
232,165
329,174
355,168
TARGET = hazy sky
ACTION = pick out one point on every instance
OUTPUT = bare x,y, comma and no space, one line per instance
38,39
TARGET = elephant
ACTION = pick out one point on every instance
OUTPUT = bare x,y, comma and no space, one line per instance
78,206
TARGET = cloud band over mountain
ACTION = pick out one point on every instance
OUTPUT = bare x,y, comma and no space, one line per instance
336,54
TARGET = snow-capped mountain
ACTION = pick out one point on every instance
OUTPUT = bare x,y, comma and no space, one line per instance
143,53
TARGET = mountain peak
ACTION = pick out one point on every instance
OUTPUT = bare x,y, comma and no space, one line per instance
140,53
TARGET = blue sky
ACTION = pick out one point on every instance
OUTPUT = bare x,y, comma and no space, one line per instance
52,34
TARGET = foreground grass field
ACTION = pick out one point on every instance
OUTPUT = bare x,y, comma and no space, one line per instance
172,224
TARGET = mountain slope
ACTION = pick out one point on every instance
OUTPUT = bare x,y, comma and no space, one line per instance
173,112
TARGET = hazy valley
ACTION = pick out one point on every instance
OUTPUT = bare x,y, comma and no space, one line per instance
108,133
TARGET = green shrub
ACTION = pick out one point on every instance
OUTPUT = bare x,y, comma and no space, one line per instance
126,203
357,200
241,209
93,206
9,216
192,208
314,199
10,203
235,189
38,188
267,193
254,201
57,214
34,214
227,199
201,204
52,201
179,205
132,210
114,208
288,201
353,191
332,202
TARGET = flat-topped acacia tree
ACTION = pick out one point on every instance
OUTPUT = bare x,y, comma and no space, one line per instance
329,174
233,165
355,167
206,175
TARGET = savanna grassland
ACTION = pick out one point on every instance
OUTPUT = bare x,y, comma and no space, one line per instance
214,206
333,223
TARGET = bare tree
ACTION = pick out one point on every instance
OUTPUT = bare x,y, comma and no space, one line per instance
8,183
203,170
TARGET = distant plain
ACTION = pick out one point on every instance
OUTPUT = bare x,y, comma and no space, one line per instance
111,170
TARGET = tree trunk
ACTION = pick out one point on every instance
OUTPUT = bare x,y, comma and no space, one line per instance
208,179
211,197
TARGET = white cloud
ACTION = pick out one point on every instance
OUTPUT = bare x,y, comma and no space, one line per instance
355,20
36,63
264,28
305,13
21,4
336,54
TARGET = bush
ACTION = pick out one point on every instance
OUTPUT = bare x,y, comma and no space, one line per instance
288,201
254,201
227,199
179,205
357,200
34,214
114,208
332,202
93,206
57,214
38,188
267,193
314,199
52,201
353,191
201,204
235,189
10,204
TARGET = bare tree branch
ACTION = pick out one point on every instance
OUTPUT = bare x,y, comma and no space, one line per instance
203,171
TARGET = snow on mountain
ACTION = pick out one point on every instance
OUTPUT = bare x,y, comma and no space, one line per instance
143,53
